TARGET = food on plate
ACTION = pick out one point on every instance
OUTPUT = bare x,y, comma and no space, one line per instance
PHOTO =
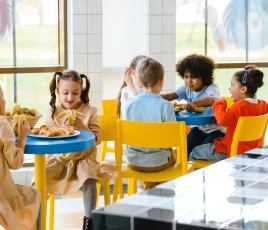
35,131
178,106
71,115
54,130
199,109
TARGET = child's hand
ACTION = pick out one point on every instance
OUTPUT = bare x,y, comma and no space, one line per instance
128,77
190,107
79,124
24,130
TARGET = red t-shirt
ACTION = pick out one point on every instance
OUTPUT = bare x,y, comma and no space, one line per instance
229,119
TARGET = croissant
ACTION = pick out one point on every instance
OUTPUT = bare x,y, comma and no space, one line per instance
70,129
50,133
35,131
62,132
54,130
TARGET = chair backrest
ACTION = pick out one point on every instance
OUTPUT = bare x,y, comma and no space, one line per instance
153,135
109,106
249,129
229,101
108,124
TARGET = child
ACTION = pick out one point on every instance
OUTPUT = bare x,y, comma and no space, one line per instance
244,85
19,205
199,91
131,86
68,172
149,107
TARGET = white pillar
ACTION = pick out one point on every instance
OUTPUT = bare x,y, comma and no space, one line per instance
104,35
160,36
85,43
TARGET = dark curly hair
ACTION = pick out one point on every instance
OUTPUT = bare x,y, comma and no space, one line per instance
198,66
251,77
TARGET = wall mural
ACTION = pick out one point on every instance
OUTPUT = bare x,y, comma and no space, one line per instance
231,27
6,25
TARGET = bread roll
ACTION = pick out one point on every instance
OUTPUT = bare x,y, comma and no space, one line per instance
62,132
35,131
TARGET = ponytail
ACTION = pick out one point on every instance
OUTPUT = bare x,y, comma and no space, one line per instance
52,89
85,91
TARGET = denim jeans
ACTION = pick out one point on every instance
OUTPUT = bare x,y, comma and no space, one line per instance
197,137
206,152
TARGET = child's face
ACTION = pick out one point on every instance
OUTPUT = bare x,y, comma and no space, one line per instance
69,92
193,84
236,90
2,103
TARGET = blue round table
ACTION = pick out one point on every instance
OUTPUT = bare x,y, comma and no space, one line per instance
37,145
41,146
204,118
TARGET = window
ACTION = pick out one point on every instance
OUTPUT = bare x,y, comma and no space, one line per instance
230,33
33,45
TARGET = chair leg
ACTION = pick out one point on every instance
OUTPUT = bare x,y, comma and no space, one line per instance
51,211
118,189
106,188
115,192
103,150
129,188
106,193
121,191
132,186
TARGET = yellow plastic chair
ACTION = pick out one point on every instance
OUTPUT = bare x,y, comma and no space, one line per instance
108,125
109,106
229,101
151,135
248,129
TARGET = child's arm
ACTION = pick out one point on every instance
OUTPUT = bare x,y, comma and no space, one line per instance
24,130
48,119
13,155
204,102
128,78
223,116
93,125
169,96
179,93
211,94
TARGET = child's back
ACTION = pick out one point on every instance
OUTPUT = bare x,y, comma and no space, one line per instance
19,204
149,107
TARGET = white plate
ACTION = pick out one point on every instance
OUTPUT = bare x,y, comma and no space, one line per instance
55,137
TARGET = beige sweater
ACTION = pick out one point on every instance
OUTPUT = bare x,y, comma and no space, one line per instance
66,173
19,205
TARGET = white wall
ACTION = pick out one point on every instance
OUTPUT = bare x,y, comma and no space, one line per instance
133,27
104,35
123,38
123,32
